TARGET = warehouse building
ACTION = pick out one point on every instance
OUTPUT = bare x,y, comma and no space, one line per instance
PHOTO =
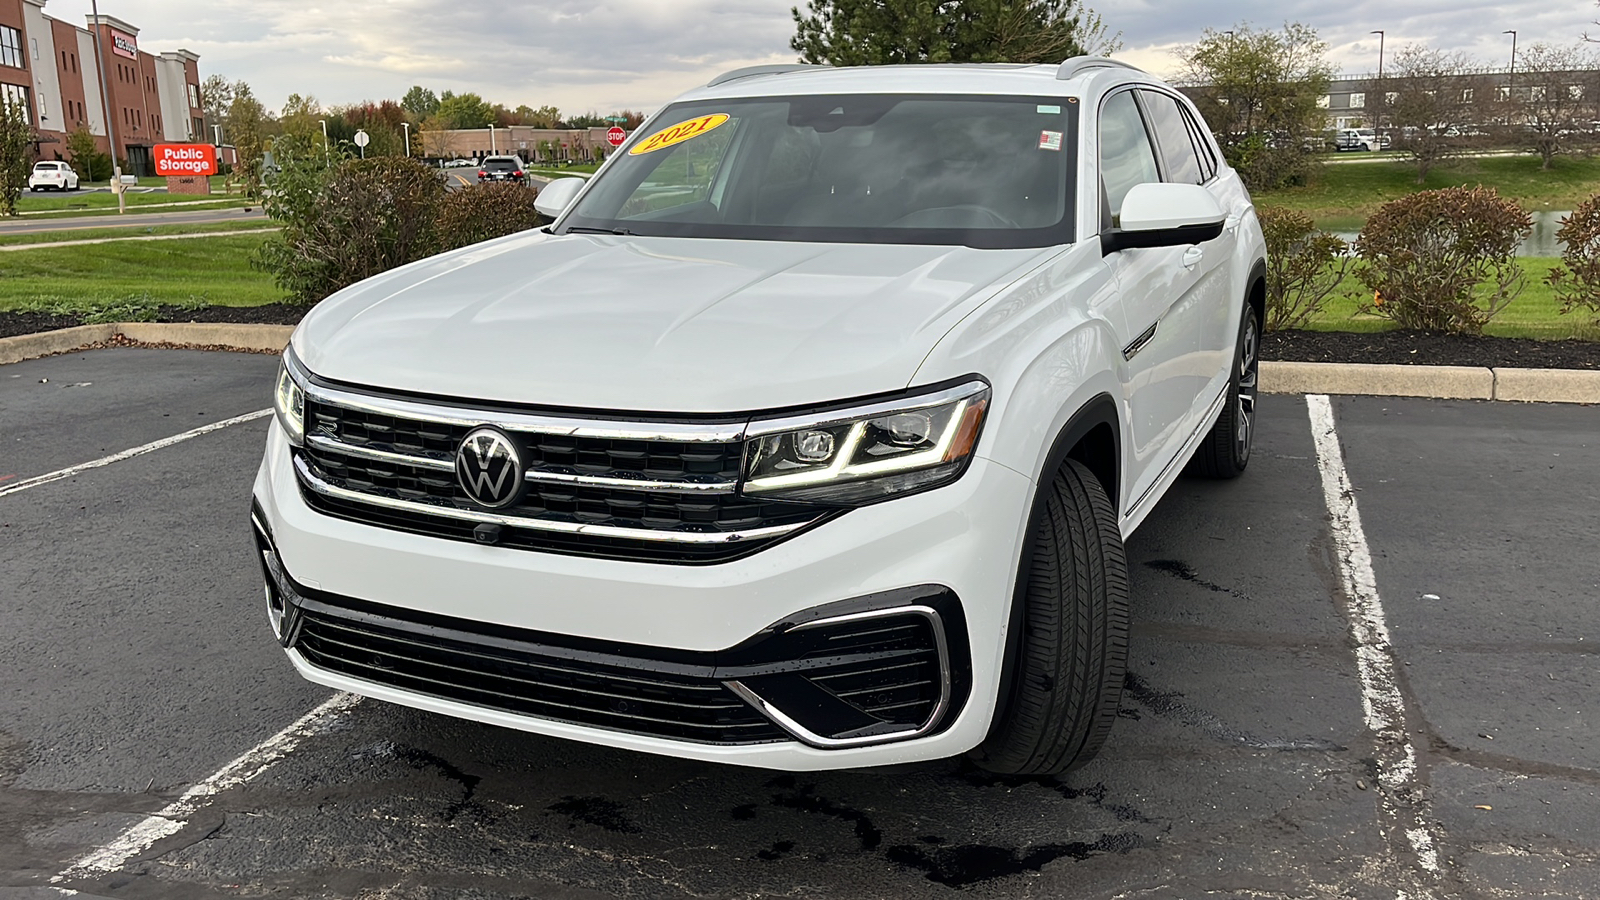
48,66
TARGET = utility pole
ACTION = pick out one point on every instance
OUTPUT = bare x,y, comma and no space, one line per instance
1383,96
407,127
327,154
105,110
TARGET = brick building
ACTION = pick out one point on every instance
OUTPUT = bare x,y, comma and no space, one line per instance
48,66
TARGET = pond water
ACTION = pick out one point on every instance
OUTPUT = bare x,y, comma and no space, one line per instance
1539,242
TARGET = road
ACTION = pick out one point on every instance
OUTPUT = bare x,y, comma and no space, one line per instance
138,664
132,220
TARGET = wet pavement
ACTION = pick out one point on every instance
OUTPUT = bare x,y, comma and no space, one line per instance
138,662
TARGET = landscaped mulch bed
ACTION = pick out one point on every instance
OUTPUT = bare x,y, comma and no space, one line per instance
1415,348
1391,347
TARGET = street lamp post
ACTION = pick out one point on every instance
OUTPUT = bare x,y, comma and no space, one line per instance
407,127
1383,96
1511,79
327,154
217,131
105,110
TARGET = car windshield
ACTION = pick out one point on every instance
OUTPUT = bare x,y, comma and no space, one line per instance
984,171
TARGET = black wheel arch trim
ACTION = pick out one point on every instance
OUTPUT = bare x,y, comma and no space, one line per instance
1101,410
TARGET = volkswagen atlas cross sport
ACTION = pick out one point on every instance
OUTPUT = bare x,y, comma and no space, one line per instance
806,435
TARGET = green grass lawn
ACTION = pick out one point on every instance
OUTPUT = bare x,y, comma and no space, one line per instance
80,201
1536,313
125,280
1348,194
89,234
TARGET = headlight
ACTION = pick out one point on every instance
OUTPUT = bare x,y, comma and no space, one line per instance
289,399
857,456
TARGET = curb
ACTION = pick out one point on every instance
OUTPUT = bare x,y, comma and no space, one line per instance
1433,382
219,335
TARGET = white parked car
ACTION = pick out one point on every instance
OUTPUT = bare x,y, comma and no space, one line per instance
52,176
807,436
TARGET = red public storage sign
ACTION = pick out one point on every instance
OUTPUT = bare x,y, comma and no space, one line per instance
185,159
616,136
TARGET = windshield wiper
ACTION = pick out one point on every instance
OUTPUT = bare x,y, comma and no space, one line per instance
582,229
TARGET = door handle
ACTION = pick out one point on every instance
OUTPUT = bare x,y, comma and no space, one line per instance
1192,257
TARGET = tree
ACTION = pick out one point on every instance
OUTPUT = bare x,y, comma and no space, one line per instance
1259,93
543,117
16,154
464,111
884,32
247,120
301,116
420,102
92,163
1556,93
435,137
1433,101
216,96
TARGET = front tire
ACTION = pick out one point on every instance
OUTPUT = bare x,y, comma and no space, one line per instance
1073,647
1225,452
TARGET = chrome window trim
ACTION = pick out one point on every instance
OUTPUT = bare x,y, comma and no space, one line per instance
822,742
313,482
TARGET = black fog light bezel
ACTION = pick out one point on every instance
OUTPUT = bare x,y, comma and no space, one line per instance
283,606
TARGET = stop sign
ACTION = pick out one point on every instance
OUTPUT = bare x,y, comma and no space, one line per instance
616,136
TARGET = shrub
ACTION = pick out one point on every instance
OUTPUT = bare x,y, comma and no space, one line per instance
351,222
1577,279
484,211
1304,267
1443,261
92,163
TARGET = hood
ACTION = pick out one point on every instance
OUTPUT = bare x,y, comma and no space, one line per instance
653,324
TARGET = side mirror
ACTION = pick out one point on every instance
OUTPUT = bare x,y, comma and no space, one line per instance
1165,215
557,195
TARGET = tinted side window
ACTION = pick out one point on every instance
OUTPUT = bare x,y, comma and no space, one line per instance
1126,157
1177,145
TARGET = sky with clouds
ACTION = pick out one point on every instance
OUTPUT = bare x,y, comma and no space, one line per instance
610,54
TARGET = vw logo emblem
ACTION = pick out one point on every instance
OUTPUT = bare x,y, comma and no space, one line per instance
489,468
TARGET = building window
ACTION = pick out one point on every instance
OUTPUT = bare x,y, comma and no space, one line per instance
1575,91
1322,102
1466,95
1536,92
11,48
35,43
17,94
194,96
1358,101
1503,92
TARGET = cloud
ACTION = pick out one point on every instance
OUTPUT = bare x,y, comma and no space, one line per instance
609,54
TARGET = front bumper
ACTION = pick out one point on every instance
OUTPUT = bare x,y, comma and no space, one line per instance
958,541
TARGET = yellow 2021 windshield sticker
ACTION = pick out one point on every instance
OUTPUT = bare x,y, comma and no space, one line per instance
678,133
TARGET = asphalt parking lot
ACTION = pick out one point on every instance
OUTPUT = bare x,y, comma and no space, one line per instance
1291,726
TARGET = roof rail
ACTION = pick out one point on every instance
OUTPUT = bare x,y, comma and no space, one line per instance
752,71
1077,65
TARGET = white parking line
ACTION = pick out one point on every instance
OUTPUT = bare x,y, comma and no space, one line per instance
70,471
1404,806
175,815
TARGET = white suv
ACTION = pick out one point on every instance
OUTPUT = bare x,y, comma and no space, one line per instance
52,176
807,436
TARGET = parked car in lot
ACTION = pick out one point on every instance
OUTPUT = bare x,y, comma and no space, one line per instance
461,163
502,168
52,176
807,435
1361,139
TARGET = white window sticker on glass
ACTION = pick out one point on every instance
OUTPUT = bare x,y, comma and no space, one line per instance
1049,110
1050,140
